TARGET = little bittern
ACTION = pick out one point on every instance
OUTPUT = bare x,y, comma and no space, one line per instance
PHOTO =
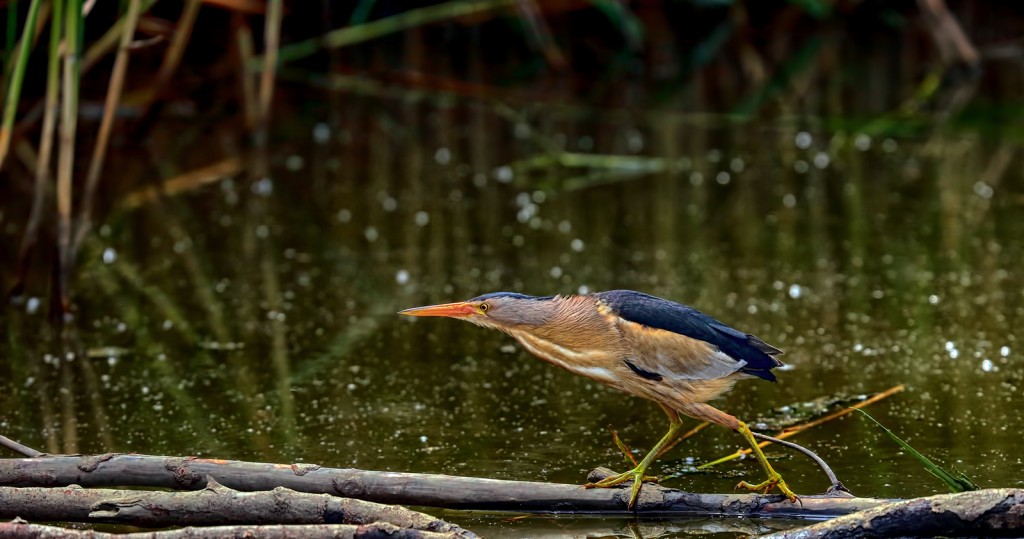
643,345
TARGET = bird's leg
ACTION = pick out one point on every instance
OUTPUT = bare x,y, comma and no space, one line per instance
774,479
637,473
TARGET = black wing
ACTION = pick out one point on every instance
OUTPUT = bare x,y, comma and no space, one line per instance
655,312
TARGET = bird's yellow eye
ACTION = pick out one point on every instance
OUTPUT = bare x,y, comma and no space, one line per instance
484,307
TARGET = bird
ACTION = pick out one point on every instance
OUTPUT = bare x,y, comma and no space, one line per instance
639,344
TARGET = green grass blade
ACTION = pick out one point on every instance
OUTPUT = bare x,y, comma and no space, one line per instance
352,35
17,76
958,482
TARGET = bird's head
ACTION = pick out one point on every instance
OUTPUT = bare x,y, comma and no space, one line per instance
499,310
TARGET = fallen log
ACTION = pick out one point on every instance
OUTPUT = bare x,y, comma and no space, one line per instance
213,505
430,490
379,530
997,512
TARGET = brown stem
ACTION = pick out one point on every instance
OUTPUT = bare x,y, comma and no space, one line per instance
99,151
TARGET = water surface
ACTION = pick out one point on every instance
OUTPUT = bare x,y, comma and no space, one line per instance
254,317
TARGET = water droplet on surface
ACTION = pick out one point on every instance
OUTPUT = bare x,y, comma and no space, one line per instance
263,187
803,140
443,156
32,305
821,160
983,190
794,291
862,142
321,133
294,163
422,218
402,277
504,174
109,255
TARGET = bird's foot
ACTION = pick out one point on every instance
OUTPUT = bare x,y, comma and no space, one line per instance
774,480
636,475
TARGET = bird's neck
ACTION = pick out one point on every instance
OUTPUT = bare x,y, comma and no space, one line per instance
573,335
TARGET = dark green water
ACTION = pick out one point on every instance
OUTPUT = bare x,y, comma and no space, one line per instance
254,318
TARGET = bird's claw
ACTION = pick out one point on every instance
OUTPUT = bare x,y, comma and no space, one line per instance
636,476
774,480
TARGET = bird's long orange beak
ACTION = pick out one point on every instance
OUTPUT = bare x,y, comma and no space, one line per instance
452,310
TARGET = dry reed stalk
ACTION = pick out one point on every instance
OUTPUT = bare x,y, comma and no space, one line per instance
66,157
109,113
108,40
272,44
175,51
184,182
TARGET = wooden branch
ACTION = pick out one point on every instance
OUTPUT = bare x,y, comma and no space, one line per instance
20,529
430,490
18,448
989,513
214,505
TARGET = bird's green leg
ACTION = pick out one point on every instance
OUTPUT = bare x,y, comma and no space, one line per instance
637,473
774,479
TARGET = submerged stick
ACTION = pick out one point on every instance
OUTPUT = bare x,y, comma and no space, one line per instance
430,490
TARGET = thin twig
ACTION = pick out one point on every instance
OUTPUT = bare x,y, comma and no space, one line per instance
18,448
786,433
837,486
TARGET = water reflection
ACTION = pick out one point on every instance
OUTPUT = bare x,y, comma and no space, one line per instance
254,318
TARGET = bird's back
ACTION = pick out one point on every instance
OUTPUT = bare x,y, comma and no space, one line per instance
731,350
